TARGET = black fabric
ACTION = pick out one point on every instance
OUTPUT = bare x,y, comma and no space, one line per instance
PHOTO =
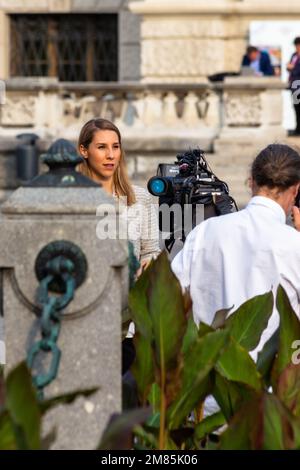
128,354
297,112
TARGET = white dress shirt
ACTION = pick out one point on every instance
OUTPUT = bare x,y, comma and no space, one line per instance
229,259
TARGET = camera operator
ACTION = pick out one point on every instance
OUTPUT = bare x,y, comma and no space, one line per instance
229,259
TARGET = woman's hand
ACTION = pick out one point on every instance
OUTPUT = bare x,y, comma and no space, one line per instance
144,265
290,67
296,217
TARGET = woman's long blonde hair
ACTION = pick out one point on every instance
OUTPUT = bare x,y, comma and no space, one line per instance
122,185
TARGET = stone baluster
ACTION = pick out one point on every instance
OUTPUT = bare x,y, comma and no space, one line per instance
170,118
190,115
213,114
153,109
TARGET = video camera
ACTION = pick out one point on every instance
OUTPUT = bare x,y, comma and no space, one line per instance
190,185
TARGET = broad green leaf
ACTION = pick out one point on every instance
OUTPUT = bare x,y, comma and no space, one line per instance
277,428
143,366
23,406
249,321
267,355
288,389
139,307
204,329
209,425
190,336
166,308
289,331
261,424
230,396
235,364
118,434
196,383
7,435
244,428
154,398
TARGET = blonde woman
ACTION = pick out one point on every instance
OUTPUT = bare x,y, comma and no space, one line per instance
100,145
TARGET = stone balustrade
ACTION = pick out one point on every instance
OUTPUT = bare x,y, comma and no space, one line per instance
234,117
54,109
143,111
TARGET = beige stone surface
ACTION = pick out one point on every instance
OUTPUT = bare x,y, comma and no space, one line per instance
90,337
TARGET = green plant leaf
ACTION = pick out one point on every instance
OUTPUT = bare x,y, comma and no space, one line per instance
204,329
261,424
7,435
230,395
138,305
289,331
266,357
196,383
143,366
190,336
278,425
209,425
243,428
166,307
118,434
23,406
236,364
249,321
154,398
288,389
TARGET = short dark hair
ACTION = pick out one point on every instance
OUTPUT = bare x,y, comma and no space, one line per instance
276,166
251,49
297,41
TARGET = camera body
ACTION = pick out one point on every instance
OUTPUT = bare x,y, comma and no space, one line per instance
189,186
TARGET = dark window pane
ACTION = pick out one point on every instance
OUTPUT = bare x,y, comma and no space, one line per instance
71,47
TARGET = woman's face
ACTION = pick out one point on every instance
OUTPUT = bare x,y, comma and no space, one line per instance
103,153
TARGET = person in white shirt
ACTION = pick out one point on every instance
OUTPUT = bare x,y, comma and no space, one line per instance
229,259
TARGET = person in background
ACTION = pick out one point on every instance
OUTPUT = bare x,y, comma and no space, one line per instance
259,61
293,68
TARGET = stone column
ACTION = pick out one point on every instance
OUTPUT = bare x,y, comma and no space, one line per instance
90,337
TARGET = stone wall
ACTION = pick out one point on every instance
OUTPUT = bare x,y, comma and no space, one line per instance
185,41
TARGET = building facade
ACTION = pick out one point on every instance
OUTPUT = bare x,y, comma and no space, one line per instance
143,64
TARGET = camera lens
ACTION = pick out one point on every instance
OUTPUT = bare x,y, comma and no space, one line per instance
157,186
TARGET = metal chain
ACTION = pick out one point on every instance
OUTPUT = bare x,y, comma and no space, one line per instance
59,270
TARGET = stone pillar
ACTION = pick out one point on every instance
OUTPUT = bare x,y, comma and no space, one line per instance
252,115
90,337
4,43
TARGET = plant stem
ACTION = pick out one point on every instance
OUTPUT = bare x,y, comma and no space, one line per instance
162,422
